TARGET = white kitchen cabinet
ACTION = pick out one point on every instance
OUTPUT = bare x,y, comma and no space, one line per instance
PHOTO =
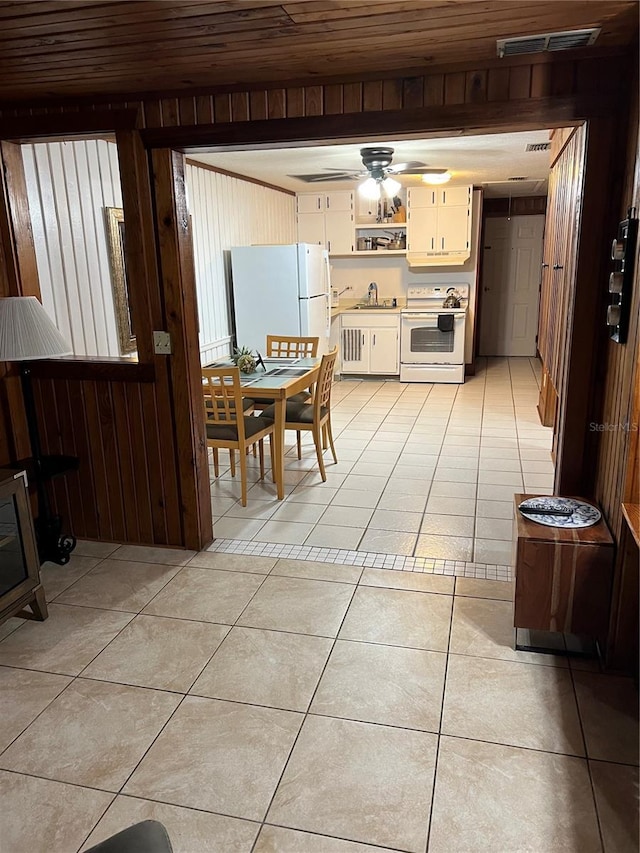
370,343
326,219
454,196
383,355
311,228
439,221
310,202
354,349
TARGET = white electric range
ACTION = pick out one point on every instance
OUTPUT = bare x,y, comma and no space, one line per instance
432,335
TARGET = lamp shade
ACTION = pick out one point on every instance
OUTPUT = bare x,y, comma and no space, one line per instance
26,332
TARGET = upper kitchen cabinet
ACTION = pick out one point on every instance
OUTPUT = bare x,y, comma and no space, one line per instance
327,219
438,225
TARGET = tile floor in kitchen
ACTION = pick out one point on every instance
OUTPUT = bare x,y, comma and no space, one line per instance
424,471
256,704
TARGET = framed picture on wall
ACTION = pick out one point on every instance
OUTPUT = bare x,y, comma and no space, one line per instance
114,218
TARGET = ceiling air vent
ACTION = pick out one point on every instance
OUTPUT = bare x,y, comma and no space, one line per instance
538,146
547,41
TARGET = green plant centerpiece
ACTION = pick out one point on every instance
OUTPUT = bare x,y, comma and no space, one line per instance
243,359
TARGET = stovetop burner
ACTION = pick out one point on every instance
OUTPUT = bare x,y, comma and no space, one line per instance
434,298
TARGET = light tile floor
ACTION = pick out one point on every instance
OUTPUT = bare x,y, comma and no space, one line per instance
256,704
426,472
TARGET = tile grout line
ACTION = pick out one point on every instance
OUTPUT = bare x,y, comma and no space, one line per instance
306,713
444,693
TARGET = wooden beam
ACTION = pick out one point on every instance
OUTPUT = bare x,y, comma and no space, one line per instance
458,119
181,317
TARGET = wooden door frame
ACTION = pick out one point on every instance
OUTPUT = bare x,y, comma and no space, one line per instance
167,240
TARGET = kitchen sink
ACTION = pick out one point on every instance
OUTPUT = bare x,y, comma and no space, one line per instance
376,307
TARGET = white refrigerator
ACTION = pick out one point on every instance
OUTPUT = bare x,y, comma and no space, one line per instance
281,290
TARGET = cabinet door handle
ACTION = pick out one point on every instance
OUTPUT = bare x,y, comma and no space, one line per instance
363,340
327,202
328,245
433,197
318,202
443,242
433,239
374,340
558,267
545,266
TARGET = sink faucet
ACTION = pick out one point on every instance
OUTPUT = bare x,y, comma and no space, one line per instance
373,289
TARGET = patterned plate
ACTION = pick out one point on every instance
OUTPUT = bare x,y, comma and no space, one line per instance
583,514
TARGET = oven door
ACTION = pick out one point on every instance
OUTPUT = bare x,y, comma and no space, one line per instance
422,342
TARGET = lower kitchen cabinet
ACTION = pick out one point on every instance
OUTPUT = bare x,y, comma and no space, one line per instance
370,344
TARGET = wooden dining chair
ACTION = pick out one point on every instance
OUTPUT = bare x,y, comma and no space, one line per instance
227,429
281,346
314,416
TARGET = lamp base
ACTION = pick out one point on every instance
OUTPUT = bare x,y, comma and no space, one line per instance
53,545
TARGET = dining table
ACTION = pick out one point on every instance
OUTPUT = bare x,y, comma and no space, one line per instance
277,379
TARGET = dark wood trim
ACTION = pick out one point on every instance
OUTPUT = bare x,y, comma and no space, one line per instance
16,233
179,290
597,56
461,119
573,477
516,206
94,370
246,178
68,125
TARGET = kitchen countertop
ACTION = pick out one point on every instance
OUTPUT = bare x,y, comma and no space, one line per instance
351,309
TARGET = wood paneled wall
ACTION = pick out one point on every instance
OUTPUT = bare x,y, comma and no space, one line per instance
559,257
125,489
225,212
618,365
69,186
506,95
566,82
535,205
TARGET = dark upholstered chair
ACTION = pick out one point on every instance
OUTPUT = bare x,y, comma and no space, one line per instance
149,836
315,415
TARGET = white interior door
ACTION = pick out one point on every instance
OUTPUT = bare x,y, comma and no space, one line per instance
512,258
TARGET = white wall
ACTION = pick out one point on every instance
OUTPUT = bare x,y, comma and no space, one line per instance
393,276
228,212
68,185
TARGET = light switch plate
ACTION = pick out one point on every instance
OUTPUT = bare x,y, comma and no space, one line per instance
162,343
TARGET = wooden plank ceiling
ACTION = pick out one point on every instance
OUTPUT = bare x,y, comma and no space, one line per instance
57,49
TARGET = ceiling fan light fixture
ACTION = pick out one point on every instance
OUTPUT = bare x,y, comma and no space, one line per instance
370,189
391,186
436,177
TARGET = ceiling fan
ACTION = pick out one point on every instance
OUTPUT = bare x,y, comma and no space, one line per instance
379,173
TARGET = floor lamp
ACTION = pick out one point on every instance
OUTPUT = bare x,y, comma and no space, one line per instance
27,334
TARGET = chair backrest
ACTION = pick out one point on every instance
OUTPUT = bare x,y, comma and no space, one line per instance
289,347
223,398
322,394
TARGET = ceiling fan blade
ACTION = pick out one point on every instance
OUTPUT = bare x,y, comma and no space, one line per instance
426,171
319,177
407,167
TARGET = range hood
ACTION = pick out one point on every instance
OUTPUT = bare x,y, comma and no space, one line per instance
437,259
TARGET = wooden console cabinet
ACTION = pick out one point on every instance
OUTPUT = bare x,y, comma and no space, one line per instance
563,577
19,562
